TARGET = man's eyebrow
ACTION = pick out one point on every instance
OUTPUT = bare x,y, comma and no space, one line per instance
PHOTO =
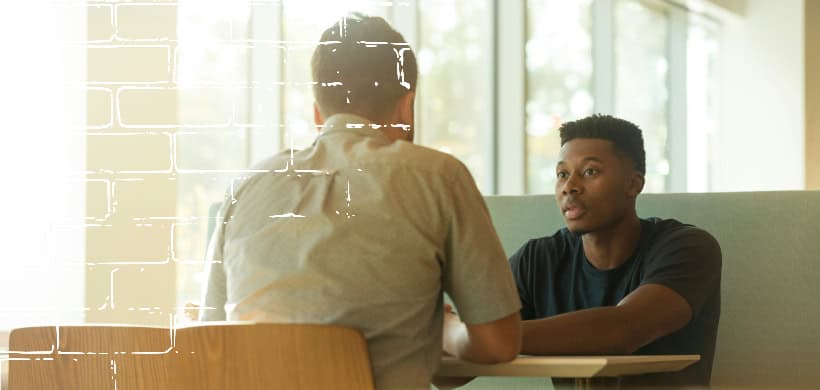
586,159
592,158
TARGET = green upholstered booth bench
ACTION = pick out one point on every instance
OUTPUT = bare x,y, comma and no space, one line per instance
769,333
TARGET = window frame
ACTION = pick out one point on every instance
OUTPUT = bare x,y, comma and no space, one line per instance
504,150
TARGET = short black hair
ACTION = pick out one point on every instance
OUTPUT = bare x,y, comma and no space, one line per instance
624,135
362,65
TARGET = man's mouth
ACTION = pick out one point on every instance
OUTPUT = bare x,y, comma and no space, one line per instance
573,212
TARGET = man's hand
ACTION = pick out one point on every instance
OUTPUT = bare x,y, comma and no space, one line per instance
451,322
450,315
488,343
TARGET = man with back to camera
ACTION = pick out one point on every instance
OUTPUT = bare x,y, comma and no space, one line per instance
365,229
610,282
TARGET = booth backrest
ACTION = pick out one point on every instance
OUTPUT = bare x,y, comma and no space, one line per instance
769,332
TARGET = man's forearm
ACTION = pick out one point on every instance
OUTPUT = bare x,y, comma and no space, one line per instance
598,331
457,343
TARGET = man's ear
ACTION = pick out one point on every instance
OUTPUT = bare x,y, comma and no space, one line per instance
404,108
317,118
636,184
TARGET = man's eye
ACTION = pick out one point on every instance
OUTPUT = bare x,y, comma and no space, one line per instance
590,171
562,175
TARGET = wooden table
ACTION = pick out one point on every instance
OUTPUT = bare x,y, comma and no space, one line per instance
582,368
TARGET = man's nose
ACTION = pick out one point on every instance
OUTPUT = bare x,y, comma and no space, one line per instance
571,186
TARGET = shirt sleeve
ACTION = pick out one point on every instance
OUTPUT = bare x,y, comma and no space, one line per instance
214,295
476,273
689,262
521,263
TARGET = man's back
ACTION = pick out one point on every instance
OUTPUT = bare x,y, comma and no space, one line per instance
359,231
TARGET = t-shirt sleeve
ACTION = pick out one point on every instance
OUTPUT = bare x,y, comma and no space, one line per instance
521,263
689,262
476,273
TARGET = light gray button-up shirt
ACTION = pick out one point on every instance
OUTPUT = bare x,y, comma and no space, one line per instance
361,231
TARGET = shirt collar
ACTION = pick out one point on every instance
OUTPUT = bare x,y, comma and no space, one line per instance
351,124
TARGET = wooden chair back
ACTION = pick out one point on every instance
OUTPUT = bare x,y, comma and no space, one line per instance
207,356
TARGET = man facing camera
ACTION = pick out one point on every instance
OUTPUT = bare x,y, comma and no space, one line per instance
610,282
364,229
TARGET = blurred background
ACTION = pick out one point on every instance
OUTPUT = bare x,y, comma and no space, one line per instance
122,122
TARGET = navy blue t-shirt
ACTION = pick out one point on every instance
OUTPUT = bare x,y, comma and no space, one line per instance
554,277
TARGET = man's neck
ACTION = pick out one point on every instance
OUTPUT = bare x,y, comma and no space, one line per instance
609,248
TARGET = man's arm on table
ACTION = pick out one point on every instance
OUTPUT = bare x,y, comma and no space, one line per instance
646,314
492,342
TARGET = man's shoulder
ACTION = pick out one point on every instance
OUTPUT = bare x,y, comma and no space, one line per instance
274,162
669,229
426,158
279,162
552,247
399,153
673,236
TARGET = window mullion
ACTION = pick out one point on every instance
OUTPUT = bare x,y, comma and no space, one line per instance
676,139
265,76
510,97
603,55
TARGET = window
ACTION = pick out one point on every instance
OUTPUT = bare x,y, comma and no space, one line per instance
701,78
641,71
649,62
559,81
213,81
455,82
